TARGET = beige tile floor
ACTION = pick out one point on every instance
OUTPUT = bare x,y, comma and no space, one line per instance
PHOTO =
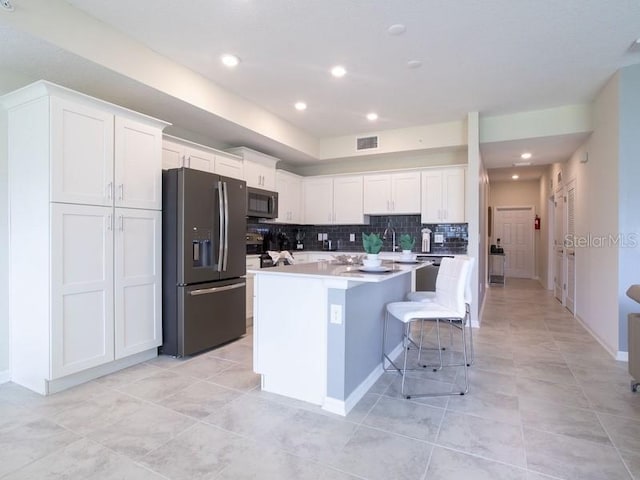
546,401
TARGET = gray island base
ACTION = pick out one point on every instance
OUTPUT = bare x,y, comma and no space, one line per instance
318,329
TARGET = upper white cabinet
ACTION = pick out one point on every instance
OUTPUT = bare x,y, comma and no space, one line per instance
85,205
393,193
259,168
98,158
333,200
138,160
178,153
443,195
229,166
81,153
289,188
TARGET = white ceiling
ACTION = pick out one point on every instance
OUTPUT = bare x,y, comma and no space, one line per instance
491,56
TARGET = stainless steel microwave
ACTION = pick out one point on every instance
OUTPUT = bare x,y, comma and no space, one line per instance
262,203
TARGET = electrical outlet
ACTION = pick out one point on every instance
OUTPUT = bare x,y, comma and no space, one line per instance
325,236
335,314
319,237
352,237
438,238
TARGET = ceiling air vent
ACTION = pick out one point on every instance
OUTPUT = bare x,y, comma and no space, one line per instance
366,143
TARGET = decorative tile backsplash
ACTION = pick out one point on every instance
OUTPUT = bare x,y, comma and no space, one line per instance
455,237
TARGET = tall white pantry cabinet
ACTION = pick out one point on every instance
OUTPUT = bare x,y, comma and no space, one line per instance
85,195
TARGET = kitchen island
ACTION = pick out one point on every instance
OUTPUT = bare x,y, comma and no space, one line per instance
318,329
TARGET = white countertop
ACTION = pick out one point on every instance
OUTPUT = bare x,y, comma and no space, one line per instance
332,270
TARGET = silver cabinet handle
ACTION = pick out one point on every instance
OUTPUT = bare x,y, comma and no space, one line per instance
121,191
109,224
205,291
121,223
109,190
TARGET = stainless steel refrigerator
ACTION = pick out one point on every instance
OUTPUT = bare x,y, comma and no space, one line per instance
203,260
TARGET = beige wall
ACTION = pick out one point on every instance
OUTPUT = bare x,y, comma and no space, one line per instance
4,250
518,193
544,269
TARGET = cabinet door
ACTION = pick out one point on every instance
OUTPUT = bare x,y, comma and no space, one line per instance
377,194
229,167
138,165
199,159
81,287
81,154
289,188
431,211
259,176
138,317
405,189
172,155
318,201
453,195
347,200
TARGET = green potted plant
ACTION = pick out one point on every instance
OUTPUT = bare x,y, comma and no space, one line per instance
372,244
406,244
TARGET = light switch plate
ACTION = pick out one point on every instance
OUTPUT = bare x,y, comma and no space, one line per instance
352,237
335,314
438,238
319,237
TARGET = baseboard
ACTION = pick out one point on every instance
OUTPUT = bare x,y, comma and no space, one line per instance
5,376
617,355
622,356
343,407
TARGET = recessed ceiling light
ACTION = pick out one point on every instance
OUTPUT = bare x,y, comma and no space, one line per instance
372,117
515,177
525,156
414,64
230,60
300,106
338,71
397,29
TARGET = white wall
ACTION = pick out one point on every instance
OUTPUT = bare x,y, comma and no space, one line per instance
4,250
542,264
596,217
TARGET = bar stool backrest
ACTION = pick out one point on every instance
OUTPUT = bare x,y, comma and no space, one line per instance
451,284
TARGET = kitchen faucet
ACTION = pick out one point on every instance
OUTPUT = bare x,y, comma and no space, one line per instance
393,233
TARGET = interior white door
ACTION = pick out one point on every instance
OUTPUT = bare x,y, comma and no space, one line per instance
138,319
81,287
514,228
558,245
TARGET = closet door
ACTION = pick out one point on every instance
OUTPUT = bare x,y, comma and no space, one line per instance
81,287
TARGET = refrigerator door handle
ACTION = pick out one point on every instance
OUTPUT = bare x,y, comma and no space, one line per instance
226,226
206,291
222,222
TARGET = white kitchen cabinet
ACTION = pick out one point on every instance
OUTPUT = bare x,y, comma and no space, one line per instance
443,195
393,193
177,152
333,200
252,263
81,153
138,161
82,287
85,277
138,280
229,166
289,188
259,168
176,155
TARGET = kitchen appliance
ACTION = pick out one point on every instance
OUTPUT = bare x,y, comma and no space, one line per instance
299,240
255,243
262,203
204,259
426,240
283,241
